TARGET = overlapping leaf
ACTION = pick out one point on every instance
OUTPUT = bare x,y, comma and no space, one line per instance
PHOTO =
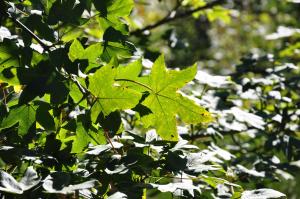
165,102
91,53
61,183
110,96
10,185
113,9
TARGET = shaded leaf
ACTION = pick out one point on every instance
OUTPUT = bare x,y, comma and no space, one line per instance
8,54
91,53
61,183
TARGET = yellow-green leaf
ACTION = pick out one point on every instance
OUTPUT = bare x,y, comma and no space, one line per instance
165,102
110,95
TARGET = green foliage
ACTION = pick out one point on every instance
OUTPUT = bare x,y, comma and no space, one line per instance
23,115
84,115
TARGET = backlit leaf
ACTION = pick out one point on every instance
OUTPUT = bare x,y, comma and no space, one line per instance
165,102
109,95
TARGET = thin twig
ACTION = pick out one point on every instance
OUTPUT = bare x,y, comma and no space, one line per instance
85,92
25,28
171,17
81,88
107,137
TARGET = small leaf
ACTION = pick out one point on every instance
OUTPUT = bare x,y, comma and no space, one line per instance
44,118
60,183
118,195
283,32
8,54
76,50
81,140
117,49
212,80
172,187
250,118
9,184
251,172
97,150
30,179
111,123
262,194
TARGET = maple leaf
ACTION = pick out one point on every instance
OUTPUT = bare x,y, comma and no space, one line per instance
110,96
166,102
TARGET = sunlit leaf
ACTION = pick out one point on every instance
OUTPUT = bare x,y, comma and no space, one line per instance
60,183
262,194
109,96
165,102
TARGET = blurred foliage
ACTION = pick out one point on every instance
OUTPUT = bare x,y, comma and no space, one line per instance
217,44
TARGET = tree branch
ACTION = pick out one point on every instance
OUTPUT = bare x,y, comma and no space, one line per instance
25,28
170,18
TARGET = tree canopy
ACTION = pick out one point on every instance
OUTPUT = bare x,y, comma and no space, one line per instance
152,99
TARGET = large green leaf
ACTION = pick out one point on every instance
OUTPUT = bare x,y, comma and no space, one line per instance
165,102
24,115
110,96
